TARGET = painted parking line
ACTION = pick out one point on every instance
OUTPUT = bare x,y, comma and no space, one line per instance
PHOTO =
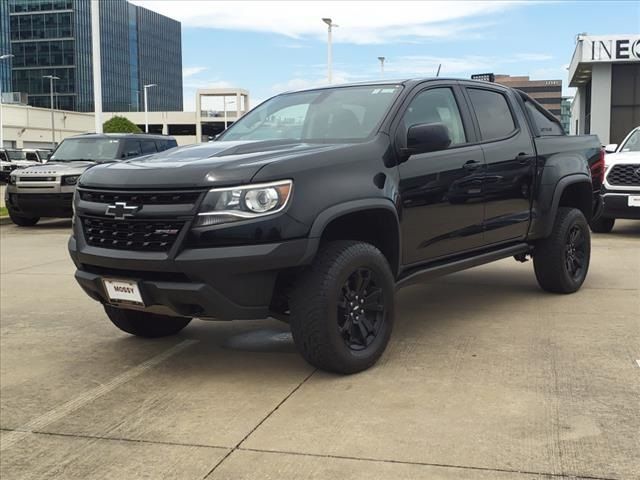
638,362
13,437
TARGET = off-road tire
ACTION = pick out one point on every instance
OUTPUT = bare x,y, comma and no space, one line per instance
318,295
23,221
602,225
144,324
550,257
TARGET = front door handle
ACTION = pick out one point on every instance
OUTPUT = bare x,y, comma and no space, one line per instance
523,158
471,165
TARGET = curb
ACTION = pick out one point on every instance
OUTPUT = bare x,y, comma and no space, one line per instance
5,220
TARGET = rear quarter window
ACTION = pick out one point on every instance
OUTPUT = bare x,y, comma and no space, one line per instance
544,124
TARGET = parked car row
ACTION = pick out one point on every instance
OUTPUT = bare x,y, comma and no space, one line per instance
47,190
12,158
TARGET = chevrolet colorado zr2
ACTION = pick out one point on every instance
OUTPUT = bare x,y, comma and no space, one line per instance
317,205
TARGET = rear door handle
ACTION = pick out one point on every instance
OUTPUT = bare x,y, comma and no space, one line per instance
523,158
471,165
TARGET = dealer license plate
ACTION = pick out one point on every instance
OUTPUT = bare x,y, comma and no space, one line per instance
123,291
633,200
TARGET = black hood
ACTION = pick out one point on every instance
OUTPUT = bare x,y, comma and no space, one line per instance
203,165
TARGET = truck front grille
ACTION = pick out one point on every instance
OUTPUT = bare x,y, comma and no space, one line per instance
139,235
141,198
627,175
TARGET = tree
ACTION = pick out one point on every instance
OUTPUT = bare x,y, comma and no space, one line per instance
120,125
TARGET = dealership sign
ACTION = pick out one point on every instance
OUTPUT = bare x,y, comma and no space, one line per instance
611,48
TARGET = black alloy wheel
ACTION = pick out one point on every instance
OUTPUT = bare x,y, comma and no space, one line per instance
342,307
361,309
575,252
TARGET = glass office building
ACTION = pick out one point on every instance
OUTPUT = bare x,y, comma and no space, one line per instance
5,47
53,37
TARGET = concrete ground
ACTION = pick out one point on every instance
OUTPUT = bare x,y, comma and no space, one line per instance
486,377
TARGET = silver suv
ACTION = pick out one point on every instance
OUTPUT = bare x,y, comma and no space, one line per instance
47,190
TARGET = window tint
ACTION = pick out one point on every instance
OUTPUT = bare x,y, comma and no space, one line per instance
148,146
32,156
545,125
437,105
492,112
131,149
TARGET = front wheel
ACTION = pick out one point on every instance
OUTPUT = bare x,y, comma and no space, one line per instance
144,324
23,221
602,225
342,309
561,261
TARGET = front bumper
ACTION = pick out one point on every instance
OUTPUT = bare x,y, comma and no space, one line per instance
223,283
40,204
616,205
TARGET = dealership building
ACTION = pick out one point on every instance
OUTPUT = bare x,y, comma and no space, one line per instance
605,70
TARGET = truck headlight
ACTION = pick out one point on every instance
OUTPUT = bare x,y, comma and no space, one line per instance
233,204
12,179
70,180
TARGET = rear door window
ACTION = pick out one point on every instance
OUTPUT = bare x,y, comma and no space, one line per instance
493,114
131,148
148,146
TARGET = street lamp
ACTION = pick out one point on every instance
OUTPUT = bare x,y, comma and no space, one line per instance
330,25
146,111
382,59
2,57
53,123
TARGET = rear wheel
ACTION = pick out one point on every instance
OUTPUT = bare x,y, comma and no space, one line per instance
342,309
561,261
144,324
602,225
23,221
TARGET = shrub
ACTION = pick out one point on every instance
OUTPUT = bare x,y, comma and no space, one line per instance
120,125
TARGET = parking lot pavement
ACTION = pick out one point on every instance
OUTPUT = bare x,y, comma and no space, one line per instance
486,377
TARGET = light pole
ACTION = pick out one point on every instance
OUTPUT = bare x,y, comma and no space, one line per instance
53,122
146,108
382,59
2,57
330,25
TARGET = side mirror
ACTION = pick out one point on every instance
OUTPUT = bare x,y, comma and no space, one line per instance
611,148
427,137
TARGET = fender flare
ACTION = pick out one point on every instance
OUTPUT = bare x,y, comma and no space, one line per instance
333,212
549,206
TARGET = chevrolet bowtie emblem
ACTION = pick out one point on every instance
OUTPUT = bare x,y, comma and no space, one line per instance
637,173
120,210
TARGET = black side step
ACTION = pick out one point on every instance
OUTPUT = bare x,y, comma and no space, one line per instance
443,268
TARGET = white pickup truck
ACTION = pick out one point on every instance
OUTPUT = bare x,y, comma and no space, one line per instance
621,188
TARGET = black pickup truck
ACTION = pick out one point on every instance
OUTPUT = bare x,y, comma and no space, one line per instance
317,205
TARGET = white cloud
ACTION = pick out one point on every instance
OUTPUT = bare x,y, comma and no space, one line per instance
359,22
191,71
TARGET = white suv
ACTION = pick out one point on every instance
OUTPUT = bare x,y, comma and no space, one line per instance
621,189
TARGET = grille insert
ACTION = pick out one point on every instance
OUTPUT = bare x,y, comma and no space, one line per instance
140,198
139,235
625,175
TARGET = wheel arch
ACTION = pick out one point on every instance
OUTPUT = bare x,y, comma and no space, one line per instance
570,191
373,221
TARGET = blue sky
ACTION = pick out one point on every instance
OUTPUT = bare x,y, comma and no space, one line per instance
269,47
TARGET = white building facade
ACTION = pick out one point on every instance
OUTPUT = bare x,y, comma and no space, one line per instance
605,70
24,126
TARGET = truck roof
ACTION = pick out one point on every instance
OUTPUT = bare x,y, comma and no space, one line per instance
406,81
124,135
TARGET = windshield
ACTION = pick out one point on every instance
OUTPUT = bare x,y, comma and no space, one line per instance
633,142
93,149
16,155
337,114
